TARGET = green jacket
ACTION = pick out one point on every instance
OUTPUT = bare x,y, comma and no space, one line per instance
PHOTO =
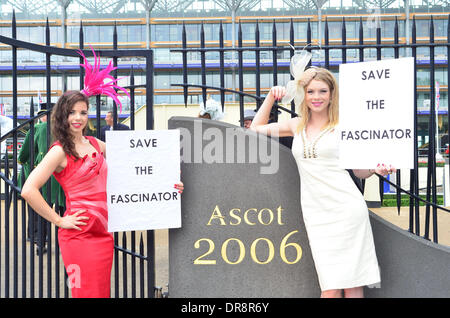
40,149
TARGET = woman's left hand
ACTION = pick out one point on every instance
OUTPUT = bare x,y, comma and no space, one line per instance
384,170
179,187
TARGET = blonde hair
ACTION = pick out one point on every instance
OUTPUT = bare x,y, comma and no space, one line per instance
324,75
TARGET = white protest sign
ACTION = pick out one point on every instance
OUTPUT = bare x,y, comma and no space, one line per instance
376,114
143,168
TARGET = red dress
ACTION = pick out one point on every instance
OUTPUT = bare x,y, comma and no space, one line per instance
87,254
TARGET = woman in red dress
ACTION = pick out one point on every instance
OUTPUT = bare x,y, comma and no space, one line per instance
77,162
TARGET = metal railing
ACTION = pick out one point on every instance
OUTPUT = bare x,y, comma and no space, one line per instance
24,274
343,47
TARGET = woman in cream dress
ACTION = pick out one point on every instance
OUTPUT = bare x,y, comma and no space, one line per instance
335,213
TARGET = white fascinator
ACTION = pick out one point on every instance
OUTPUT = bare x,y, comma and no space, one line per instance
294,88
213,108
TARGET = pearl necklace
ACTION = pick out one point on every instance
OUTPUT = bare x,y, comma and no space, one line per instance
310,151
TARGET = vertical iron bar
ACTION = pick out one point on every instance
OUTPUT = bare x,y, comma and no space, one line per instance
275,65
378,47
133,263
222,67
114,113
149,90
66,287
24,221
344,41
308,40
257,66
116,267
115,42
416,154
57,263
327,42
431,181
47,236
15,256
124,266
361,40
241,76
185,74
7,243
203,62
434,131
274,54
378,41
31,214
291,54
81,44
15,231
398,191
149,126
396,39
141,268
428,195
150,263
412,187
381,191
24,242
132,99
398,173
98,114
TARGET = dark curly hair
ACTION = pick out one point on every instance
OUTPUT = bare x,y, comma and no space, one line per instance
60,124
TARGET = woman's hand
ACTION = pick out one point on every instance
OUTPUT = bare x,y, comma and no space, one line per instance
278,92
384,170
179,187
72,221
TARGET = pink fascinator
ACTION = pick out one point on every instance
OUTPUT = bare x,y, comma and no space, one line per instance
94,79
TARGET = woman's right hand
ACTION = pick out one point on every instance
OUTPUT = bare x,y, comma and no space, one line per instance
72,221
278,92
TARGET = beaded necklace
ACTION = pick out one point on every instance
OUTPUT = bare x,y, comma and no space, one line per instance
309,150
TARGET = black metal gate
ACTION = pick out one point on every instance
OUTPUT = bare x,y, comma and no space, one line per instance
22,272
413,193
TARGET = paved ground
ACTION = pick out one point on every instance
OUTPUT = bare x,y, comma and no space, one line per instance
402,221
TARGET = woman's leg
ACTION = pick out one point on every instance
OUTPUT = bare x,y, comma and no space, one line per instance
332,293
356,292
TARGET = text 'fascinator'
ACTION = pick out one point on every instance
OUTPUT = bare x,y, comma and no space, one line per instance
94,79
294,88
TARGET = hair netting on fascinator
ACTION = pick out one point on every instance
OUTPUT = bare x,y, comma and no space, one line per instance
94,79
213,108
294,88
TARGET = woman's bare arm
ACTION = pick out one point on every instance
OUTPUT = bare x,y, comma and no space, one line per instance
260,122
52,161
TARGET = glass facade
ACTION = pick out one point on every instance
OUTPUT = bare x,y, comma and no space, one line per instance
161,30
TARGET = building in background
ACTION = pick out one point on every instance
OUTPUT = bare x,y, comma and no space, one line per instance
157,24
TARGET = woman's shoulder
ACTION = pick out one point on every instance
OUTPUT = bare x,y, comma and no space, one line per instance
57,148
97,143
56,151
57,144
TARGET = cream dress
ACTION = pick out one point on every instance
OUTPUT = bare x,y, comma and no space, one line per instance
335,214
